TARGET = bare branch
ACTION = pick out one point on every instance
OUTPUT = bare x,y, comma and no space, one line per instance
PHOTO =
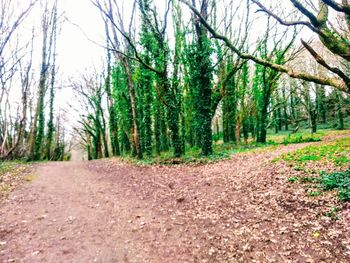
322,62
330,81
283,22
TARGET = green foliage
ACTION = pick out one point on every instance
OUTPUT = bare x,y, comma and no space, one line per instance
314,193
337,152
300,138
194,155
293,179
308,179
6,167
332,213
339,181
201,70
39,136
229,107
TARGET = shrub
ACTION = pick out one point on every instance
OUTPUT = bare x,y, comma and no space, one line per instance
339,181
300,138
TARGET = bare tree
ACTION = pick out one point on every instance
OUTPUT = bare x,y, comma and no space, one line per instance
8,24
319,23
92,126
49,25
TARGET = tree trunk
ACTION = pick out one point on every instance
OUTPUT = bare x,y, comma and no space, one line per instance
135,130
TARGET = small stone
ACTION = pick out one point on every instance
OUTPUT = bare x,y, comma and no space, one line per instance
42,217
70,219
35,253
180,199
212,251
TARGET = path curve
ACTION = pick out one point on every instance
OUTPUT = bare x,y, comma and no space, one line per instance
237,210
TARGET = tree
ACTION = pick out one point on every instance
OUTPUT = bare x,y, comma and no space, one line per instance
8,25
113,118
126,62
13,56
336,43
92,121
202,83
48,24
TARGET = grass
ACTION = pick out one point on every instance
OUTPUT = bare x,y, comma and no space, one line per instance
304,135
336,181
193,156
224,151
10,173
300,138
332,156
314,193
6,167
336,153
339,181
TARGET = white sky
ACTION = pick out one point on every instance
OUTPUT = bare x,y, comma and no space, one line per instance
75,51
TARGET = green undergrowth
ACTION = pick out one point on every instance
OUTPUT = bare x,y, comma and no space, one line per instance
6,167
310,163
193,156
224,151
9,173
286,137
300,138
335,152
336,181
339,181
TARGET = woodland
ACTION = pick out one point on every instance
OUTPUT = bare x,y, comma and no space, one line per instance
179,76
211,131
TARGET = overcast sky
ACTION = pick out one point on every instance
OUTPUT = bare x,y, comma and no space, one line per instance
75,51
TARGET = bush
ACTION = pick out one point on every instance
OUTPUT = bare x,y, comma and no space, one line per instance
300,138
339,181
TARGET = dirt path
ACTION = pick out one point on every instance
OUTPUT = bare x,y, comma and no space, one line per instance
239,210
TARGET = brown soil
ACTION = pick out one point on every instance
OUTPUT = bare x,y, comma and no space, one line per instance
239,210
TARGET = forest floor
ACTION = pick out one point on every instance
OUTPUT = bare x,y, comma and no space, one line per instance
238,210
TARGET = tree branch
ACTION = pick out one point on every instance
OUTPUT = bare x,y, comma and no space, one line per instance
307,13
329,81
322,62
283,22
344,8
